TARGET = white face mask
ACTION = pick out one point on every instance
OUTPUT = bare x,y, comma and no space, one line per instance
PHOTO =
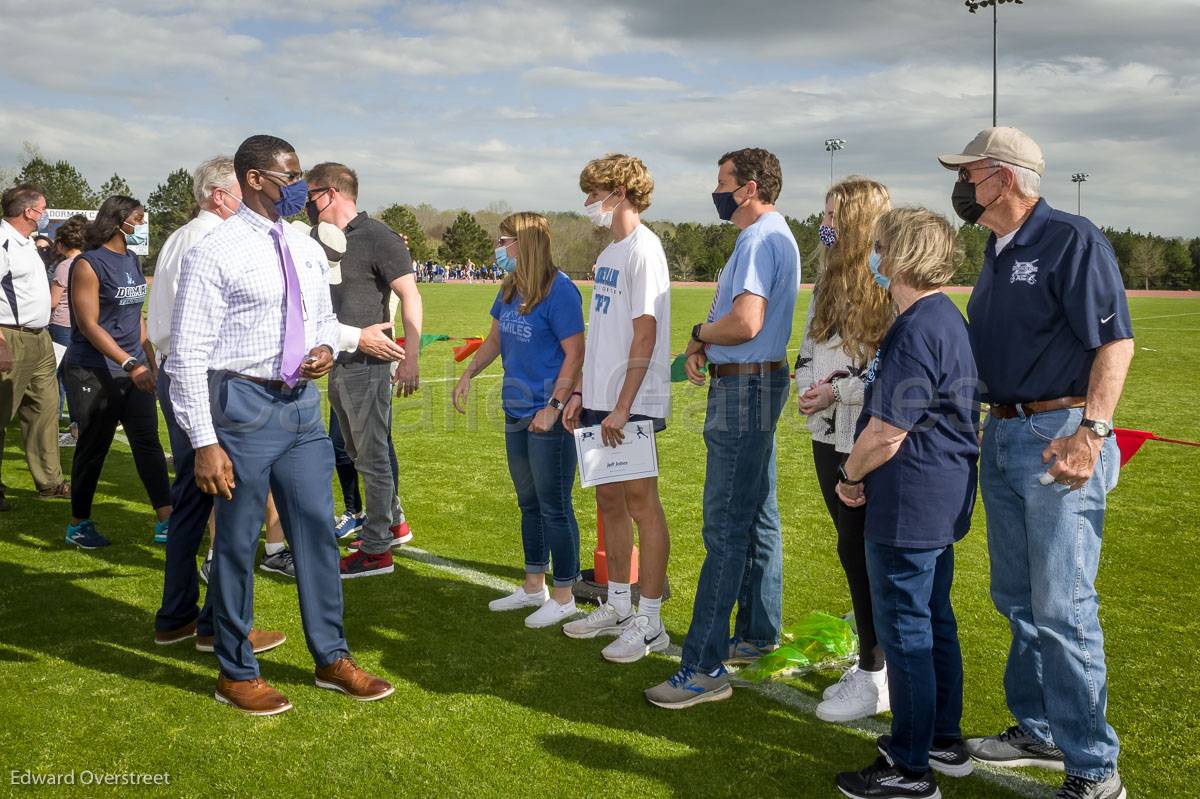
598,215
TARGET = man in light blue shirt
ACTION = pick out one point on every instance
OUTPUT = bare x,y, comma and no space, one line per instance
744,342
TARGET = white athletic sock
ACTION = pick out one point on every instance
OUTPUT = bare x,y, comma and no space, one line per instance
650,609
275,549
210,554
620,597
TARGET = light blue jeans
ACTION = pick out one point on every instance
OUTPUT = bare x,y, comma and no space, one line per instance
1044,544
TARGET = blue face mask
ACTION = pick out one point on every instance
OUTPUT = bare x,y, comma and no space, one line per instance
873,264
139,236
43,223
505,261
827,235
292,198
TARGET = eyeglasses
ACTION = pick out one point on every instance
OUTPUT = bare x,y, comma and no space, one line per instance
964,174
290,177
506,240
315,193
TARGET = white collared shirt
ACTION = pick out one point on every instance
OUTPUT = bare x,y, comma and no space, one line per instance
229,309
161,307
24,287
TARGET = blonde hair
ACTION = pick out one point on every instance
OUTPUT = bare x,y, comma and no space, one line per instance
535,272
918,248
617,171
849,303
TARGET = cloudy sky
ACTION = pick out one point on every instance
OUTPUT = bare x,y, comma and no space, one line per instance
462,104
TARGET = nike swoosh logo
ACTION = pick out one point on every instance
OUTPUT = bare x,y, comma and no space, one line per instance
1106,319
647,640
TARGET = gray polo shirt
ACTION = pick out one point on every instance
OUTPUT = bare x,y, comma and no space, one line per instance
375,256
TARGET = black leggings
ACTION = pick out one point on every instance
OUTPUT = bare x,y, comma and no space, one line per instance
852,552
101,402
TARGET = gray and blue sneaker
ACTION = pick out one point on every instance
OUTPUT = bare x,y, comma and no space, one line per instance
1078,788
280,563
743,653
85,536
689,687
348,524
1015,748
160,531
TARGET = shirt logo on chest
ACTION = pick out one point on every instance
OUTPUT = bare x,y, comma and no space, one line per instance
1025,272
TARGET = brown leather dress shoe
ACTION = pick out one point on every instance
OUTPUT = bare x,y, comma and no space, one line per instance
60,491
254,697
260,640
344,675
164,638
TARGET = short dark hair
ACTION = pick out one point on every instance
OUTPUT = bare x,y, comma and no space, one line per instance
112,214
339,176
259,152
15,200
70,234
761,166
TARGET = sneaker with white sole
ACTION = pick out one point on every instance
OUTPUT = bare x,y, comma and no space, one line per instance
863,694
604,620
519,599
849,674
636,641
743,653
1015,748
550,613
348,524
952,760
883,779
1074,787
690,687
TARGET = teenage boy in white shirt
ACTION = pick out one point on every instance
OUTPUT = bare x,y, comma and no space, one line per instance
626,378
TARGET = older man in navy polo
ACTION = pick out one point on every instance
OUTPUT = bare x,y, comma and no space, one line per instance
1052,337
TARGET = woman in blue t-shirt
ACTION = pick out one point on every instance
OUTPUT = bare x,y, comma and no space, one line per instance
537,330
110,370
913,465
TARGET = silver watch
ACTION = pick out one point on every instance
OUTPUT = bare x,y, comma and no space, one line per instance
1098,426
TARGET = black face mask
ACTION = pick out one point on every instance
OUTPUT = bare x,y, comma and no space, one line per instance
965,205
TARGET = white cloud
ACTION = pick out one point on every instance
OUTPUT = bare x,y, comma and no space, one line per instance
585,80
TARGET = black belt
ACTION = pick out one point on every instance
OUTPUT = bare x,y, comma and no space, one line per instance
726,369
22,328
273,385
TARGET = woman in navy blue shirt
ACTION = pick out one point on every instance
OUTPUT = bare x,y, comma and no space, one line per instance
914,466
537,330
110,370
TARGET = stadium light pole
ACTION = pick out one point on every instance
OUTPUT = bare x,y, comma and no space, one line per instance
1079,178
832,146
975,5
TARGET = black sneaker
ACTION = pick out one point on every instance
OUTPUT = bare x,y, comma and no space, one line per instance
1015,748
206,568
884,780
1079,788
280,563
953,760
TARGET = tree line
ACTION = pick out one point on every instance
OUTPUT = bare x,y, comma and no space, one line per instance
695,251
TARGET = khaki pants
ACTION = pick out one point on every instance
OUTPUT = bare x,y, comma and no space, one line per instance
30,392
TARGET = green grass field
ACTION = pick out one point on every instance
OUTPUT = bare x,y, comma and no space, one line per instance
486,708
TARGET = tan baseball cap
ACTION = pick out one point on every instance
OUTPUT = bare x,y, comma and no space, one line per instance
1009,145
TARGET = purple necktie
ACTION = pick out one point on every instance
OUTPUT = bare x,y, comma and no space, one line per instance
293,315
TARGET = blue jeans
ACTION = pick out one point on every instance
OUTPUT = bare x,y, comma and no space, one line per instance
910,594
61,335
1044,544
743,561
542,466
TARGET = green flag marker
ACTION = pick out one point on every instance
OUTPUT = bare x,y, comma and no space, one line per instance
678,374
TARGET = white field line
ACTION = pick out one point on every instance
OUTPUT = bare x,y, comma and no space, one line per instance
1018,784
1167,316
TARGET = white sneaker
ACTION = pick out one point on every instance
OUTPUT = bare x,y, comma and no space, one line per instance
849,675
862,694
636,641
519,599
604,620
550,613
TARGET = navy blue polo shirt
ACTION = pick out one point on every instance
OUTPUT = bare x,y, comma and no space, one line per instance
923,381
1042,307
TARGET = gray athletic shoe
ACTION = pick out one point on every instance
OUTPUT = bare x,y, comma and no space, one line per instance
689,688
637,641
1014,748
743,653
280,563
1079,788
604,620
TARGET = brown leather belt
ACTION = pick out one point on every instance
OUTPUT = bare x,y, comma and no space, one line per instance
726,369
22,328
273,385
1042,406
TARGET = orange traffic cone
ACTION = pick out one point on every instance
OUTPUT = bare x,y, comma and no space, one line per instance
600,557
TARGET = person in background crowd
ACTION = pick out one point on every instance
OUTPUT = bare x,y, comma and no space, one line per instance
27,367
68,241
914,466
627,378
537,330
1053,341
744,342
45,251
253,309
376,265
110,368
847,317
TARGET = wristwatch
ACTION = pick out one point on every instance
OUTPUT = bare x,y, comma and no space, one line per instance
555,404
845,478
129,365
1098,426
696,333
